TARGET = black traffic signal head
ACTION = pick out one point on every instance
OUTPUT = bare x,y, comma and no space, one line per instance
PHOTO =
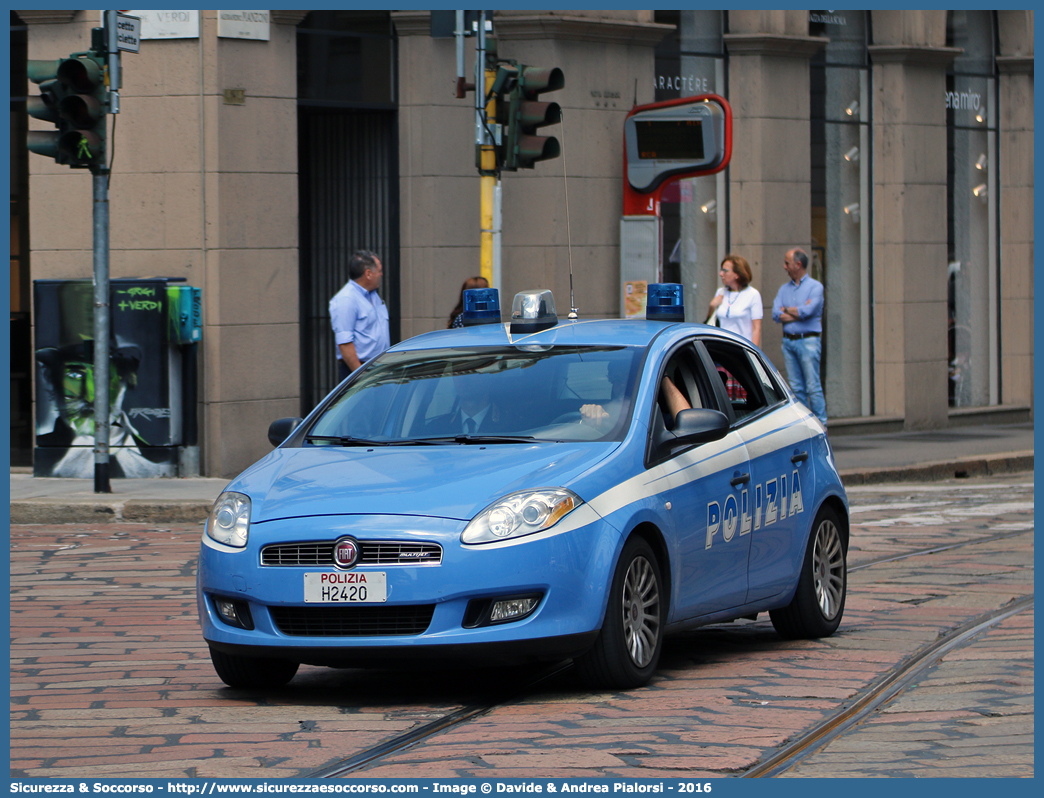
73,96
537,80
526,113
45,106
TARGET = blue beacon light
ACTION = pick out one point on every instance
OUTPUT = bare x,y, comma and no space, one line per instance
664,302
481,306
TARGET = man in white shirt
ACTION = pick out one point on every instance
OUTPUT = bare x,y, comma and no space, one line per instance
358,315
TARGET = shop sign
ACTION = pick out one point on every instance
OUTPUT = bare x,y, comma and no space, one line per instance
826,18
689,84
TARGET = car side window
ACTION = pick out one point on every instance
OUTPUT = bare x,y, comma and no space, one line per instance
684,374
739,374
772,391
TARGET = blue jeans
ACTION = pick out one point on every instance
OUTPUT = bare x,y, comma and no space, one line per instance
801,356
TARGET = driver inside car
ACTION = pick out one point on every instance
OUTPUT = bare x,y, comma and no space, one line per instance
605,416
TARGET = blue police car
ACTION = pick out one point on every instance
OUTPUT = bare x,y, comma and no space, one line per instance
537,489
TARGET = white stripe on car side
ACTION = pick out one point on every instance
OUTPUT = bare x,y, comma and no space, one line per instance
686,468
781,428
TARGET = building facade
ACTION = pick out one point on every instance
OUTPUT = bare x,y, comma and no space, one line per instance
896,147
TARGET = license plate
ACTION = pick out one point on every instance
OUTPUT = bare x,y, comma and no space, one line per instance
346,587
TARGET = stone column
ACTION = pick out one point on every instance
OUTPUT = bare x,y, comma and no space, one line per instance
1015,64
249,175
909,234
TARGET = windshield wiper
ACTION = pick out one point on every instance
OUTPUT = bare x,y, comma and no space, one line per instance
486,439
345,440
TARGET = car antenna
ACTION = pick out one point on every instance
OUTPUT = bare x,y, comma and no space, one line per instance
573,309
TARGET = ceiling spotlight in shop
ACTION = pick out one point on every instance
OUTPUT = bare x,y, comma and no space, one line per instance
981,192
710,208
852,155
980,116
981,163
853,108
853,211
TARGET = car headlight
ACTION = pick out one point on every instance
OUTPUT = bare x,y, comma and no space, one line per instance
229,520
520,514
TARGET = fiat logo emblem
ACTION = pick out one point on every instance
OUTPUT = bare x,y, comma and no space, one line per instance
346,552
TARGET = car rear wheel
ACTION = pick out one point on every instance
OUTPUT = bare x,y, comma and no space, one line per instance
252,672
628,647
817,606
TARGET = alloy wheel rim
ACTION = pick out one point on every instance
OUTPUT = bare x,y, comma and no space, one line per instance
828,567
641,611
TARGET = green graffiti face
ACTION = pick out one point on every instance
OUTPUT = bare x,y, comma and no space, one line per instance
77,399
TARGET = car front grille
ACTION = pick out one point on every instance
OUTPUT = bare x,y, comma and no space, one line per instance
352,621
372,552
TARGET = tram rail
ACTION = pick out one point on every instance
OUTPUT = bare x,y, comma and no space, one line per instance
882,692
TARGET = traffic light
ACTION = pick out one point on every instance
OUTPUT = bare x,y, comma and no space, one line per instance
525,114
45,107
73,96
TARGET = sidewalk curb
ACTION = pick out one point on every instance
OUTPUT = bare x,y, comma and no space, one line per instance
56,511
988,465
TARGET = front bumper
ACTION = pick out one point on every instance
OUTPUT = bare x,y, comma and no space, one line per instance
569,567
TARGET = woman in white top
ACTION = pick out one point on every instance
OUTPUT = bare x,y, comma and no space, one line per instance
738,304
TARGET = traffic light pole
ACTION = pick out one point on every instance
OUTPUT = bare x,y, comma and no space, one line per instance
488,158
100,178
102,315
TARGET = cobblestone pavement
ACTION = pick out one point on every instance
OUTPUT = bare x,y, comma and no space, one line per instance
969,716
111,678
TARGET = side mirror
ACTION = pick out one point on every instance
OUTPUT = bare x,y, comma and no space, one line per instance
691,427
280,429
700,425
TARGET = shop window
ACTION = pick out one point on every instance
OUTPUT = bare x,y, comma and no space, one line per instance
971,145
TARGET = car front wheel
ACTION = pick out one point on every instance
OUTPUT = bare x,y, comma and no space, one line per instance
819,601
252,672
628,647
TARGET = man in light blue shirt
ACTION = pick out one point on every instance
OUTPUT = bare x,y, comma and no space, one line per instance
799,308
358,315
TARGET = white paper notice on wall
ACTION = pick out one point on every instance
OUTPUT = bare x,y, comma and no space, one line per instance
168,24
243,25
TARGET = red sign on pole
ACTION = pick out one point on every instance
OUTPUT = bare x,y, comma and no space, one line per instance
667,141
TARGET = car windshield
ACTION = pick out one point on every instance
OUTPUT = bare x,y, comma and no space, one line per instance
504,394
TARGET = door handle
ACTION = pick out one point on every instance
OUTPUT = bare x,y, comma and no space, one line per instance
742,479
799,458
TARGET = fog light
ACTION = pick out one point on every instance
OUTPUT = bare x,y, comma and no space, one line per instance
491,611
512,609
234,613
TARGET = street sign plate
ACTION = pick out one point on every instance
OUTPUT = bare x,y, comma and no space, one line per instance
128,33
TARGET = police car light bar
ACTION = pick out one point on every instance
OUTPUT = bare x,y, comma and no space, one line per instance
532,311
481,306
665,302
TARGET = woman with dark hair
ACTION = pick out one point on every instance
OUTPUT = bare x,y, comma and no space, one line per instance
738,305
456,316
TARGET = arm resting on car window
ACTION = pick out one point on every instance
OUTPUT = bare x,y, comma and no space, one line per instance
676,401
